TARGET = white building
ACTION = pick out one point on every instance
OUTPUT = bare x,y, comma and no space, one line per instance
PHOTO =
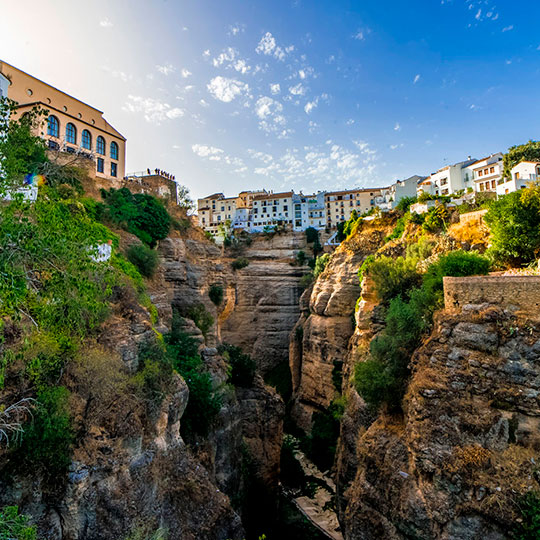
4,85
309,211
215,211
271,209
403,188
487,172
522,174
448,180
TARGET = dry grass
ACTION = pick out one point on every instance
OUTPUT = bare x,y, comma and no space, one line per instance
472,232
468,459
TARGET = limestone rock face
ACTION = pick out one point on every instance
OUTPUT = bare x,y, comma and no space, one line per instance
327,325
266,309
464,450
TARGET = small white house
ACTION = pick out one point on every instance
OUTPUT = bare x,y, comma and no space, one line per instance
403,188
522,174
448,180
487,172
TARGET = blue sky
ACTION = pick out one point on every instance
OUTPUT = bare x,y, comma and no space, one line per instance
233,95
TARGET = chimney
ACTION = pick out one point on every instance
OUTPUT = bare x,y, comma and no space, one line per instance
469,157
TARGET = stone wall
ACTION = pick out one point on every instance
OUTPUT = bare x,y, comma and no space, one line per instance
520,294
154,184
477,216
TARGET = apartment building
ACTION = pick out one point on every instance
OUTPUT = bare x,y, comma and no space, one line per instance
71,126
340,204
449,179
215,211
521,175
270,209
487,172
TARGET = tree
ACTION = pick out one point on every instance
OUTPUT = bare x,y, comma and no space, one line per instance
311,234
523,152
514,221
21,152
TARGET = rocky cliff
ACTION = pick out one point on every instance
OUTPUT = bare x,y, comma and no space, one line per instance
464,450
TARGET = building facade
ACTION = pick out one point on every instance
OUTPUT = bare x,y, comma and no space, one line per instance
215,212
271,209
487,173
403,188
448,180
71,126
340,204
521,176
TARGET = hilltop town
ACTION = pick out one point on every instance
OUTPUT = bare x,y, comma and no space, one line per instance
259,211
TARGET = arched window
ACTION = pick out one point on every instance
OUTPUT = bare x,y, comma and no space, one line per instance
100,145
114,150
53,127
71,133
86,140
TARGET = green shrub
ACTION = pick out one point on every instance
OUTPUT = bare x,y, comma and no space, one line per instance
514,221
140,214
436,218
382,378
154,372
404,204
203,404
306,280
242,366
216,293
14,526
529,526
143,258
456,264
393,277
399,228
202,319
320,264
300,258
312,235
240,263
48,437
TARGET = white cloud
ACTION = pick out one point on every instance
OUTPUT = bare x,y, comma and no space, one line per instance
361,34
202,150
106,23
310,105
297,90
416,78
153,110
267,46
350,122
185,73
235,29
166,69
508,28
478,15
276,89
266,106
122,75
397,127
230,57
206,53
226,89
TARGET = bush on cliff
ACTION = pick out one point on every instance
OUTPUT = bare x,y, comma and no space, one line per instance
383,377
514,222
528,528
393,277
203,404
242,366
140,214
216,293
240,263
14,526
48,437
144,258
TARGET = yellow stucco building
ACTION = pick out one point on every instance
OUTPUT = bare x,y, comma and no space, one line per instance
72,126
